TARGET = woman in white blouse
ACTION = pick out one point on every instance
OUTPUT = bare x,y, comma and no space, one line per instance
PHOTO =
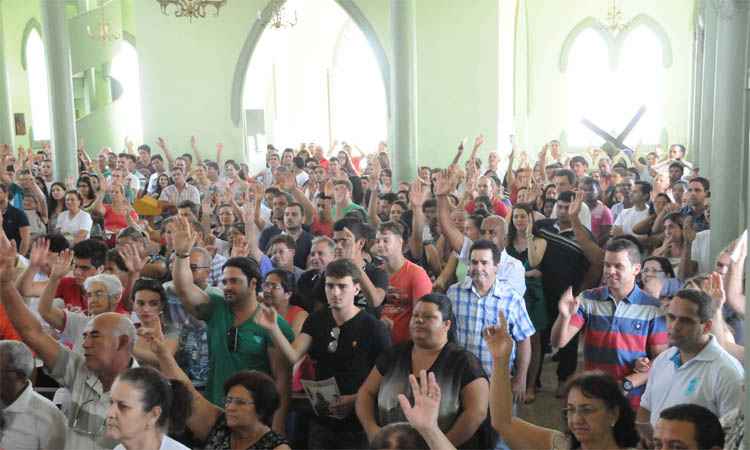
74,223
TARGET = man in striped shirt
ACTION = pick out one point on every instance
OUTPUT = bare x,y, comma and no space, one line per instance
476,302
624,326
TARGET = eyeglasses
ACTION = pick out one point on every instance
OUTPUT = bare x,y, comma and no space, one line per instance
97,294
194,267
652,271
334,345
91,419
583,411
237,401
233,338
270,286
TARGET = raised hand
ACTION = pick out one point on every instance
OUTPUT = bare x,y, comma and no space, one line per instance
266,317
63,265
575,205
133,260
128,143
716,289
688,230
444,186
193,142
479,141
417,194
498,339
424,414
7,259
161,143
39,253
184,236
219,147
207,207
155,339
568,304
642,365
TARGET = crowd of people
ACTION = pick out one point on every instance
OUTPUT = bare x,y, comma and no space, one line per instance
171,302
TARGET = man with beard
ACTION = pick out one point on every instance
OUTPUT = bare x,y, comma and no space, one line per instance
235,341
623,325
476,303
344,343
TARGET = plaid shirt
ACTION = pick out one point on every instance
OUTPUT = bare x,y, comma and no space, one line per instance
474,313
217,269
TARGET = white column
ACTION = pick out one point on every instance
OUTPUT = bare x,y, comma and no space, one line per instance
57,51
706,114
7,128
403,90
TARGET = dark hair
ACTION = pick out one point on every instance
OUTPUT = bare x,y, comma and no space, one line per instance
674,217
360,229
299,162
578,159
446,310
72,192
476,219
286,277
91,249
344,182
664,263
703,181
296,205
706,426
567,173
145,148
624,244
213,164
389,197
392,227
664,195
114,256
678,165
261,387
158,188
87,181
645,187
484,200
157,157
566,196
706,308
57,242
189,204
398,436
248,266
231,162
131,233
172,396
484,244
512,230
150,284
601,386
285,239
682,150
342,268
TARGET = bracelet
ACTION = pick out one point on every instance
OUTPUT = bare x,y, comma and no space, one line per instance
182,255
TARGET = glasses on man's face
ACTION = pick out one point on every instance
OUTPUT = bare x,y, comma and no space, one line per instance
237,401
270,286
196,267
86,422
334,344
584,411
653,271
97,295
233,339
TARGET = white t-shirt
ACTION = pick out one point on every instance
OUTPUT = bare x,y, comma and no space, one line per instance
584,215
700,251
70,226
629,217
167,443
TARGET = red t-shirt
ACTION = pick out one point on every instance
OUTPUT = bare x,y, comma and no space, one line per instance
115,222
7,332
72,294
498,205
405,287
319,228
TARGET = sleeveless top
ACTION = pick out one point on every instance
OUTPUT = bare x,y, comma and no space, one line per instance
220,438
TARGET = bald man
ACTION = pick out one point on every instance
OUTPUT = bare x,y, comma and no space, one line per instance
107,351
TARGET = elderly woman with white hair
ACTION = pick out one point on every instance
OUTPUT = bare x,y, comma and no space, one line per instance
23,412
103,292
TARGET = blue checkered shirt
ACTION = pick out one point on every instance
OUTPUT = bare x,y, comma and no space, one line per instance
474,313
217,270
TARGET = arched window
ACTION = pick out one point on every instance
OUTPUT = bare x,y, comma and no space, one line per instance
124,68
610,96
36,72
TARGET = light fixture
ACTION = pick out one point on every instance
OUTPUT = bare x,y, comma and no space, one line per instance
279,16
103,32
192,9
615,18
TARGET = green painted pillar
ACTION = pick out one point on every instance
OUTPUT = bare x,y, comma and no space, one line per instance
705,124
403,90
57,52
7,129
728,149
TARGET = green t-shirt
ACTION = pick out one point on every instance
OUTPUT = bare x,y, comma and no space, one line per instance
252,347
349,208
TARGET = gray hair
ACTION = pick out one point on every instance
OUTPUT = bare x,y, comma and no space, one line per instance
203,252
125,327
325,240
17,357
111,282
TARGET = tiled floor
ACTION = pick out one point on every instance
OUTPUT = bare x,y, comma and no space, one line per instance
545,411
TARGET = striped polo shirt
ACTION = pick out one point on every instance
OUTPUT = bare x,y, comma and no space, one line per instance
618,333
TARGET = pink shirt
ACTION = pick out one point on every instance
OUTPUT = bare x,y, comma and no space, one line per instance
405,287
600,216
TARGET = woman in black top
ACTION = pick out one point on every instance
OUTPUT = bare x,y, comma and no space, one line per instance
463,383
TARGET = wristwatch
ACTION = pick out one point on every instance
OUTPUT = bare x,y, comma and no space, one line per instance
627,386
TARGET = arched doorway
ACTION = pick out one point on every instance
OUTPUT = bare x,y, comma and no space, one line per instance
324,79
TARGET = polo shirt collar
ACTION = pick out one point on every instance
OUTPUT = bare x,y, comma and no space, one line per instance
468,284
707,353
634,296
21,405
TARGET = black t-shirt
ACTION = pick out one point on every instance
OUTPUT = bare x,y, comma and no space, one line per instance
361,340
13,220
377,276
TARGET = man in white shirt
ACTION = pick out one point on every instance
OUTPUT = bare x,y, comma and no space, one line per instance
639,195
176,193
28,421
157,165
565,181
695,369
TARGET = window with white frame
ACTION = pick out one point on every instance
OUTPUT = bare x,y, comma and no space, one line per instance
36,72
124,68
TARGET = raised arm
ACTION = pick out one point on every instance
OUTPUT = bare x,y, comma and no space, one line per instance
735,293
518,433
443,188
193,298
167,153
194,147
50,313
591,250
44,346
267,319
562,330
219,149
416,200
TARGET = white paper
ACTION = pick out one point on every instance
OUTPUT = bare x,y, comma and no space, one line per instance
322,394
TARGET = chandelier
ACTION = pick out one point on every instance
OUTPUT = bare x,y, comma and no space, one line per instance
192,9
279,16
103,32
615,18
